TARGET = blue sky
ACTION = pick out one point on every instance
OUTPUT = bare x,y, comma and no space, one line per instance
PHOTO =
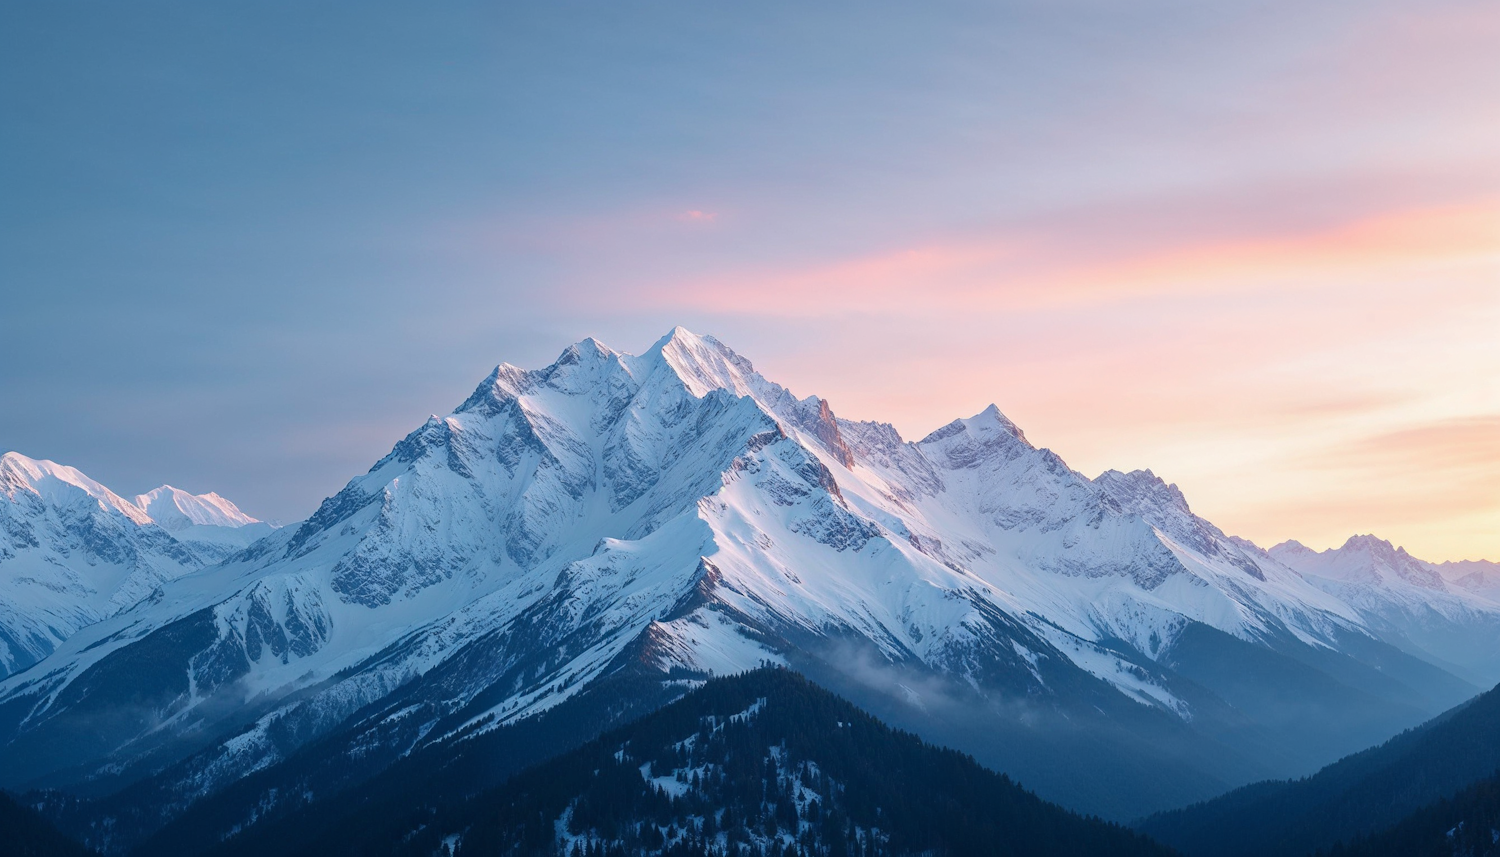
246,248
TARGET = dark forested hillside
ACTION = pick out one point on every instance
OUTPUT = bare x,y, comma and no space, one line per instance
316,801
762,764
1467,825
24,833
1354,797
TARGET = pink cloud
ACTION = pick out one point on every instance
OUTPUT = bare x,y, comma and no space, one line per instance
1019,271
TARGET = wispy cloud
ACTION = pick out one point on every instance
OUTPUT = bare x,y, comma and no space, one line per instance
1021,271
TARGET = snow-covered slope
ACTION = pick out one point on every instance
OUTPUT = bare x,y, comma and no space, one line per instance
73,552
678,513
1448,612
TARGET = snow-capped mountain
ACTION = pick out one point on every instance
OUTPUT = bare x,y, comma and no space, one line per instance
1475,575
73,552
211,523
1448,612
677,514
175,510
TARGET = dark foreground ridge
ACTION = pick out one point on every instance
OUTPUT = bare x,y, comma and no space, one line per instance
1353,799
763,764
24,833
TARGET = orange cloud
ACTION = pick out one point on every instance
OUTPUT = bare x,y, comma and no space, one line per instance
1388,242
1469,446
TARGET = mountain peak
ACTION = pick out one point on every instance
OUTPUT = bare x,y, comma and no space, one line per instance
680,333
1372,544
1145,477
54,481
587,350
1291,547
680,338
704,363
174,509
989,421
19,467
506,381
1142,485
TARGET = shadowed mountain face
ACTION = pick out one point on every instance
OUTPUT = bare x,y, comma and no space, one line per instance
675,515
1361,795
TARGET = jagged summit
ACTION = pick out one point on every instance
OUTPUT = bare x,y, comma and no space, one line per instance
1142,488
987,422
1374,544
1446,611
1141,477
704,363
680,360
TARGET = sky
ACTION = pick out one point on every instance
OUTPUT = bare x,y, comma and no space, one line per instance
1252,246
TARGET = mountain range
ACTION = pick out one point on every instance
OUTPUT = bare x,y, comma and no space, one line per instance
608,530
74,552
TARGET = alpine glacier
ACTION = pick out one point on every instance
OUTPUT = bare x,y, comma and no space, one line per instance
675,515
